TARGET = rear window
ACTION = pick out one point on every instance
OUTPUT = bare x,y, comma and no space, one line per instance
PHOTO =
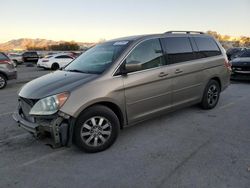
3,57
207,47
178,49
30,54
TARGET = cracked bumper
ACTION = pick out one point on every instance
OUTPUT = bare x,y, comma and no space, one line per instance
30,127
60,129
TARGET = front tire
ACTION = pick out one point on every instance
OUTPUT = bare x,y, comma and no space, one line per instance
96,129
3,81
211,95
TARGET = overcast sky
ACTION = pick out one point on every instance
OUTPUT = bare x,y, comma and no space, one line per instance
92,20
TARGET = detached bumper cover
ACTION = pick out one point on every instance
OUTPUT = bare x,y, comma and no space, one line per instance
31,127
59,128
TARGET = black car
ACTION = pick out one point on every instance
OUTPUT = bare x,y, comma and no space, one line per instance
241,66
30,57
234,52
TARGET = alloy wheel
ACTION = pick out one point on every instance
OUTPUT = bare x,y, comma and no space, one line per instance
212,95
96,131
2,82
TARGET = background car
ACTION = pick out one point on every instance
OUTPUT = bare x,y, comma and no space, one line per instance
16,58
233,52
54,62
75,54
30,57
7,70
241,66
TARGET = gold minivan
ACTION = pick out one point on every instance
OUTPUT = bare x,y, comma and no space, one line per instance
122,82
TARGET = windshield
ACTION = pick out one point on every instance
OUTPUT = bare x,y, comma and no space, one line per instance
246,53
99,58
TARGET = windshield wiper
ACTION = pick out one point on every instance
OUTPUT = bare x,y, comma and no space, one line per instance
86,72
75,70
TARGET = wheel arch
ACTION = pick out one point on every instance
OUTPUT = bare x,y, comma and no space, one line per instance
111,105
216,78
4,74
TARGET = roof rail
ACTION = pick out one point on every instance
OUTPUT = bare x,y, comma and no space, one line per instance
186,32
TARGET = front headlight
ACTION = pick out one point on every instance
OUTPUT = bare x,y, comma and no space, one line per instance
49,105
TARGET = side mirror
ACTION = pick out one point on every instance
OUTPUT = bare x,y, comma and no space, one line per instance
133,66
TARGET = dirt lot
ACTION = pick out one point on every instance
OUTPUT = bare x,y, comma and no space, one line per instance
188,148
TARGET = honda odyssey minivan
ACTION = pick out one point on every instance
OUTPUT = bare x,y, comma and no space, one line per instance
122,82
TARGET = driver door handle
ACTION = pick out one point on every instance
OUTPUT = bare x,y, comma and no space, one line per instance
163,74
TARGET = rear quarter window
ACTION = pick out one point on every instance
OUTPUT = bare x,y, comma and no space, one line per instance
207,47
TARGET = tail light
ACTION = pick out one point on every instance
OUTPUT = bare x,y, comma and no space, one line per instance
228,65
6,62
9,64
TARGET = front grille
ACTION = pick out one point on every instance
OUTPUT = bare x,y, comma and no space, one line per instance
25,107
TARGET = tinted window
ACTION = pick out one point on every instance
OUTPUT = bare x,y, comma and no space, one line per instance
178,49
148,54
245,54
207,47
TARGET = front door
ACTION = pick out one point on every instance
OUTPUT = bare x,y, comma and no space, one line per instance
147,91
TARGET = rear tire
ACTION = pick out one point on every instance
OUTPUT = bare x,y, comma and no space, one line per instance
96,129
211,95
55,66
3,81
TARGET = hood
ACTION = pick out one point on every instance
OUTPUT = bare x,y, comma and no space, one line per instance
54,83
241,60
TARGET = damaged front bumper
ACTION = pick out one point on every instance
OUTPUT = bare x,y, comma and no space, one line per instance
59,126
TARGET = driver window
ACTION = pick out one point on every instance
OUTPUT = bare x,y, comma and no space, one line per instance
148,54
